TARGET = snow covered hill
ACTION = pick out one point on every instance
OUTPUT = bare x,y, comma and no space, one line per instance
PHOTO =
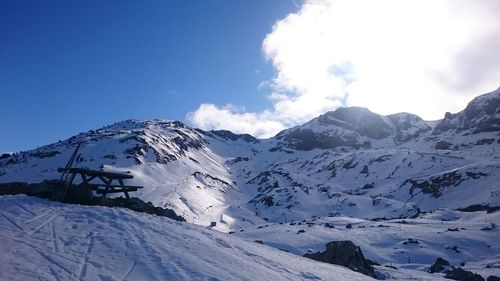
350,163
44,240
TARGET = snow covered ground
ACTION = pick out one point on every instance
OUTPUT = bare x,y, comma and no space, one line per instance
44,240
412,244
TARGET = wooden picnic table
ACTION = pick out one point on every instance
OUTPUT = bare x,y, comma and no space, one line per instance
101,182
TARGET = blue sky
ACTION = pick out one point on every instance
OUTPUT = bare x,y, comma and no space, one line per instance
249,66
72,66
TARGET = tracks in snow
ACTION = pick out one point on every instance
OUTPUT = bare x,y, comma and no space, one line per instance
11,221
85,260
43,224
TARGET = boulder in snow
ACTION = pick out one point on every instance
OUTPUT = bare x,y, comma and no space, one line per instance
344,253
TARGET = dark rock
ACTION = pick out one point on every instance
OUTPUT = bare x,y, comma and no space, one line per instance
237,160
5,155
350,164
368,186
454,248
435,185
492,209
365,170
344,253
228,135
463,275
45,154
443,145
493,278
439,265
74,194
269,201
485,141
234,137
476,175
411,241
349,226
489,228
474,208
13,188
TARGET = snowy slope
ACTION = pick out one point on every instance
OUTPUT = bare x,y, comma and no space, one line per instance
411,244
43,240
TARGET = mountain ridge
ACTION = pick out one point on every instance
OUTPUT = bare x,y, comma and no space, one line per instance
335,177
329,147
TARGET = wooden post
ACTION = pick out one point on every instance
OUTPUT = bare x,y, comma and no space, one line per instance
124,189
107,188
71,179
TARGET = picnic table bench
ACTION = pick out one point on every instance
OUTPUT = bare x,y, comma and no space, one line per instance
101,182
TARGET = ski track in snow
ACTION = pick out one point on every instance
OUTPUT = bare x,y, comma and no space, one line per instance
25,209
12,222
42,225
129,270
54,236
115,244
85,260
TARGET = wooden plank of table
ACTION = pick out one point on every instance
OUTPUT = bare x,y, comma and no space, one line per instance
96,173
114,185
102,191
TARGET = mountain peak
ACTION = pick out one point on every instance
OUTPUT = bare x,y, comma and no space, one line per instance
359,119
482,114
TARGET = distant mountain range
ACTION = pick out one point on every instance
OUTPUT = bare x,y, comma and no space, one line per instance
349,161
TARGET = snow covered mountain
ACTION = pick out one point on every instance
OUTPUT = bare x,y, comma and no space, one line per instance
350,163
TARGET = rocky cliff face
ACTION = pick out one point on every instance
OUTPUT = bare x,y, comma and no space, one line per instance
482,114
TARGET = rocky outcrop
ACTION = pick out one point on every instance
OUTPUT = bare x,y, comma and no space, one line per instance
436,184
77,195
138,205
49,189
439,265
344,253
307,139
358,119
482,114
228,135
463,275
407,126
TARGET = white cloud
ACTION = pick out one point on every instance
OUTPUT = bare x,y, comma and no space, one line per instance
211,117
423,57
